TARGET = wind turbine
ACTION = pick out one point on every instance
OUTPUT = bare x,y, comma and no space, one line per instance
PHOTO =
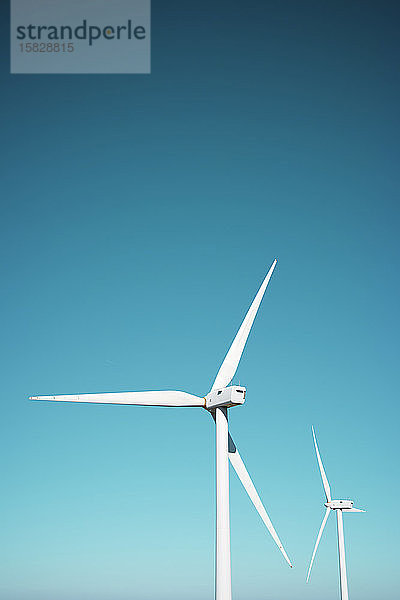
221,397
340,506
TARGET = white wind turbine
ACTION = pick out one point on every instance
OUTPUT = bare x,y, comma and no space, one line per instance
218,400
340,506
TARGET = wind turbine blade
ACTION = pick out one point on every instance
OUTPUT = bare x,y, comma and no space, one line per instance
162,398
324,520
354,510
238,465
231,361
324,478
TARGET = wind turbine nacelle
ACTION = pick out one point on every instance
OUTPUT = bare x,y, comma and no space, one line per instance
229,396
337,504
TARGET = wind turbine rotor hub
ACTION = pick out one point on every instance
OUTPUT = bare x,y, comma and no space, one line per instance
339,504
229,396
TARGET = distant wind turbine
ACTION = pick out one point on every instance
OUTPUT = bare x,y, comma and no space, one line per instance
218,400
340,506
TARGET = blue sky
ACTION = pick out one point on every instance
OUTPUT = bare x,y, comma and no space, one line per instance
139,215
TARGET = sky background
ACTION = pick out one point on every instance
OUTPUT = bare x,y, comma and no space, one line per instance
139,215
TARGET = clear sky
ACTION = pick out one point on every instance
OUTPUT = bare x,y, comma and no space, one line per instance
139,215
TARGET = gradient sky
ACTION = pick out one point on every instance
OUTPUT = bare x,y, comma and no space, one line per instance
139,215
